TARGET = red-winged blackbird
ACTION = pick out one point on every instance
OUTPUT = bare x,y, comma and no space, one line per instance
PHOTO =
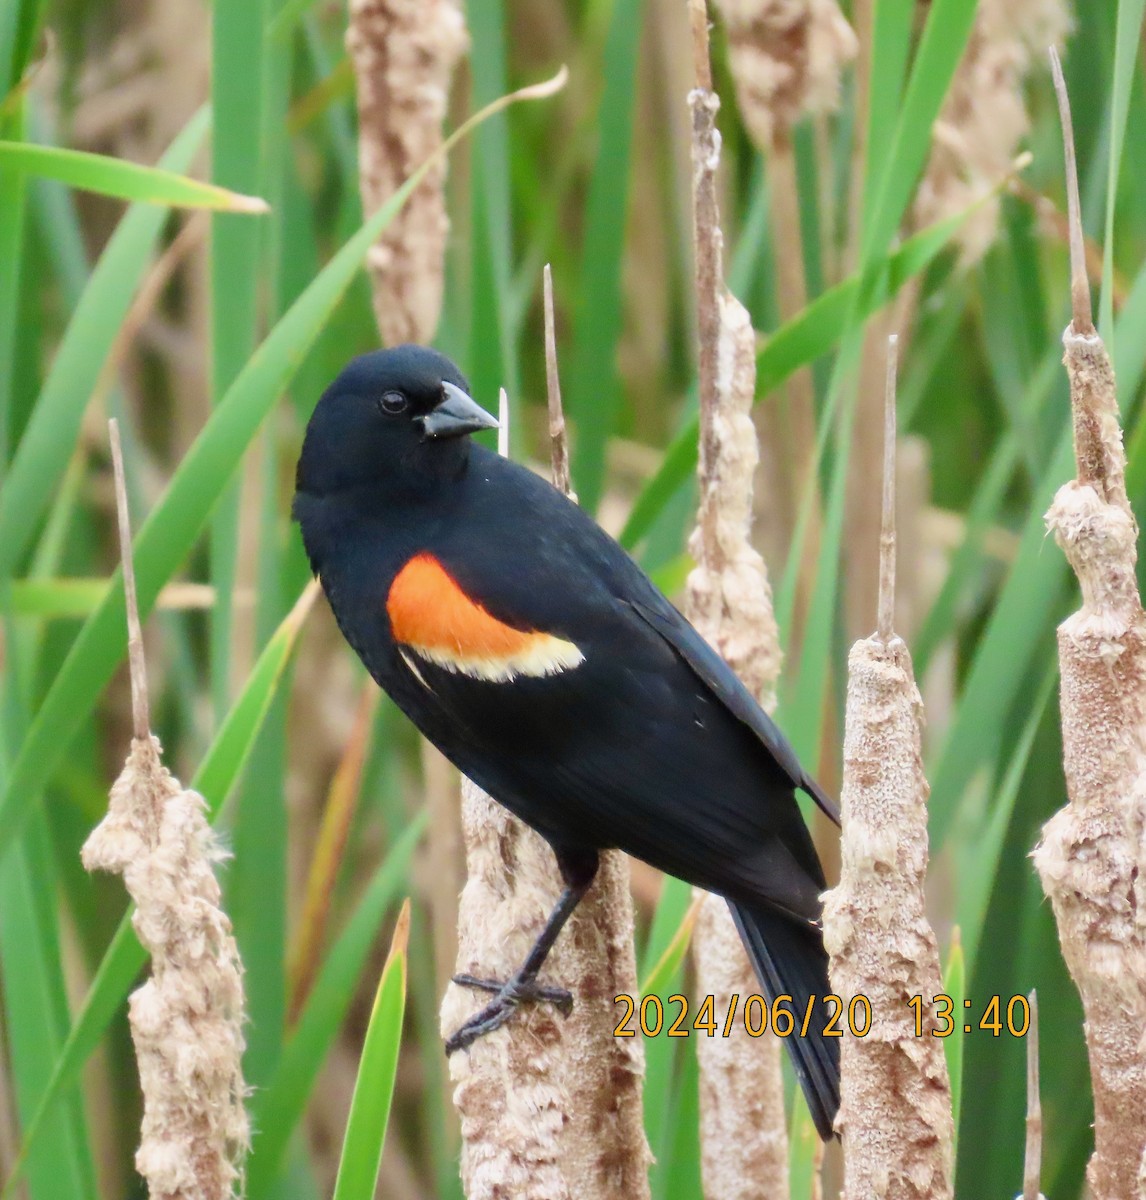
534,653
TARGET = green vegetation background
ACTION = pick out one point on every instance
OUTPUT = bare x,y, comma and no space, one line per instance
595,182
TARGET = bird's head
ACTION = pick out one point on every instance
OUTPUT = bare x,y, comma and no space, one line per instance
392,418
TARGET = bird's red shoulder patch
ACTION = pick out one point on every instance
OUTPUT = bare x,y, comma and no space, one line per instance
431,614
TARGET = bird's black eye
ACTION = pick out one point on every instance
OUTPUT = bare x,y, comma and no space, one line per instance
394,403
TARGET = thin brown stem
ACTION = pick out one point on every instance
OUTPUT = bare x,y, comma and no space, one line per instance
1079,283
329,852
1032,1163
141,716
558,437
709,274
886,620
698,19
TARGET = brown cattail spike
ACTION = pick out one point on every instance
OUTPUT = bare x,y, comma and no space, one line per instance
886,621
1091,857
404,53
895,1095
1079,283
141,716
187,1019
743,1133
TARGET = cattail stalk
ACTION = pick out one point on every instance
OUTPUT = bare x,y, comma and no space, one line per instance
895,1096
404,53
1090,857
1033,1154
186,1020
550,1106
786,60
744,1142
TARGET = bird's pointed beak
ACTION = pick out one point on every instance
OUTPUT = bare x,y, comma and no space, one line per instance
455,415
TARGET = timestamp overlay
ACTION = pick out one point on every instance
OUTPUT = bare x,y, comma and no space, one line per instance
935,1016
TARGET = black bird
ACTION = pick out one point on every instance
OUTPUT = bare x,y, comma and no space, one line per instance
533,652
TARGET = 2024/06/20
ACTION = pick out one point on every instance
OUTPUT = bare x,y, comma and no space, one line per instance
932,1018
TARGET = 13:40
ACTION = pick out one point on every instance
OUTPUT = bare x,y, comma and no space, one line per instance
939,1014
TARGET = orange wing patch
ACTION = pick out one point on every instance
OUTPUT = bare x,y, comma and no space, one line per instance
431,615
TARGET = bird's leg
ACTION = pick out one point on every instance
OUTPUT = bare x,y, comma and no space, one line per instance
578,870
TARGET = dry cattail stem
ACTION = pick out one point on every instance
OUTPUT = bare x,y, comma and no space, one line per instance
404,52
744,1145
895,1096
186,1020
558,436
1090,856
550,1106
1033,1156
886,612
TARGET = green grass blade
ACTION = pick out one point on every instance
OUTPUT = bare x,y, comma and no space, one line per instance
591,386
49,439
1127,42
667,964
983,510
278,1109
238,157
891,40
122,179
940,48
13,195
35,1007
661,970
492,356
172,528
803,1149
224,761
20,24
801,709
1020,622
374,1086
672,907
955,986
681,1165
55,598
983,849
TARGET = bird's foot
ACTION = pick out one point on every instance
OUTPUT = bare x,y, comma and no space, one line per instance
507,996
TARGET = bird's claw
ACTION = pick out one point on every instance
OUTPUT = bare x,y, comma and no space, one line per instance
507,995
522,991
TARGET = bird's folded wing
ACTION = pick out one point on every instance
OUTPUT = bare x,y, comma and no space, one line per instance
722,681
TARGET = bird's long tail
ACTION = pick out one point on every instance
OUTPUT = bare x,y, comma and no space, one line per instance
790,960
